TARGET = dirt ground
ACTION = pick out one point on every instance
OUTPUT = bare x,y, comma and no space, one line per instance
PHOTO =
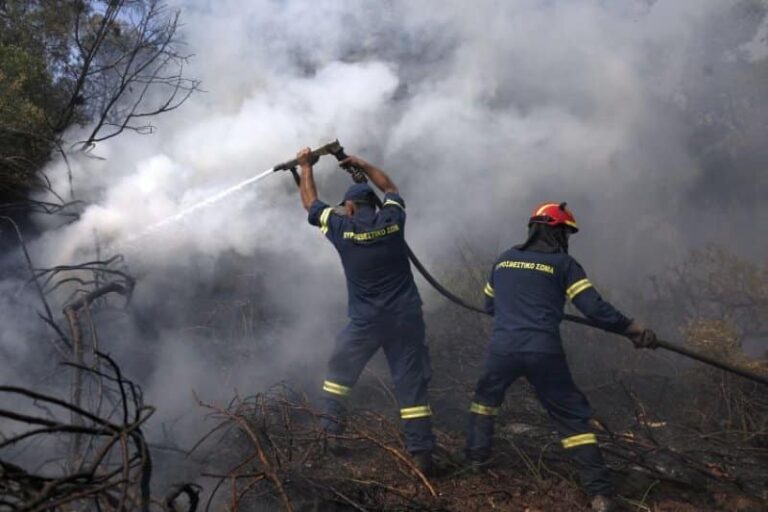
288,465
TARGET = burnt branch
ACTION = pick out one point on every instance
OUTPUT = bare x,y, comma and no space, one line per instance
116,471
138,74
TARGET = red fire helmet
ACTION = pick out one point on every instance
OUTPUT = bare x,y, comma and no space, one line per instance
554,214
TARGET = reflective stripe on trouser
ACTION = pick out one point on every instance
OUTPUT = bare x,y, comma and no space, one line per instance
480,430
592,470
412,413
566,405
485,410
336,389
333,410
402,338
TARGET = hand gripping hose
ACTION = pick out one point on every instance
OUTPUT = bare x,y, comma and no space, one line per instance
358,176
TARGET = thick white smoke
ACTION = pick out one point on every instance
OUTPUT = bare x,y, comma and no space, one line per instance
479,111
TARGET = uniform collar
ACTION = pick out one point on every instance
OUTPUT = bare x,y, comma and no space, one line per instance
365,214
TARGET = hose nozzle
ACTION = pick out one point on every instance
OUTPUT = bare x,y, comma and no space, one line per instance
328,149
332,148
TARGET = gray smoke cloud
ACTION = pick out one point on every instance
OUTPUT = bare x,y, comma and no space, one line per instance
479,111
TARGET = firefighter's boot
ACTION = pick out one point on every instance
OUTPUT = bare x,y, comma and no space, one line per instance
423,461
333,419
477,449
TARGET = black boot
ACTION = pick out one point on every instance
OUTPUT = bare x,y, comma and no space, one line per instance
477,449
476,461
333,418
423,461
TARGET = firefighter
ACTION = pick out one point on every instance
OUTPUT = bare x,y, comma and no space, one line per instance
384,306
526,293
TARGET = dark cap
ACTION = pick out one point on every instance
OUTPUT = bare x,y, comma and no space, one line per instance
360,192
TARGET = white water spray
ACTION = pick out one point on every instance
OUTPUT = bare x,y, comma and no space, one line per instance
195,207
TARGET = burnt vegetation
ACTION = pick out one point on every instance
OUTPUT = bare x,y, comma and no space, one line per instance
678,435
88,442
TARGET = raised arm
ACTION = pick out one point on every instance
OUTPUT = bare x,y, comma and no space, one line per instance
307,188
376,175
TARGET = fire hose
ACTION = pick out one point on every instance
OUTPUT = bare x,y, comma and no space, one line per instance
334,148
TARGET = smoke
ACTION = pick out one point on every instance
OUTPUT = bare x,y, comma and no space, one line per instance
479,112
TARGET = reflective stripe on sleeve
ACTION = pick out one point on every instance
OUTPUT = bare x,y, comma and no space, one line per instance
485,410
336,389
488,290
324,216
579,440
577,287
420,411
393,202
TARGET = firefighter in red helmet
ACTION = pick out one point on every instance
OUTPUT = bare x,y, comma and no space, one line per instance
526,294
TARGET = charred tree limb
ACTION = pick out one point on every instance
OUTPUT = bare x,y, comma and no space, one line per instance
114,482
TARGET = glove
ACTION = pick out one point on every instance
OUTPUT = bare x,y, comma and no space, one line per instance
641,336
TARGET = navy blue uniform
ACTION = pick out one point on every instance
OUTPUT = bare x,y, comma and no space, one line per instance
384,308
526,293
